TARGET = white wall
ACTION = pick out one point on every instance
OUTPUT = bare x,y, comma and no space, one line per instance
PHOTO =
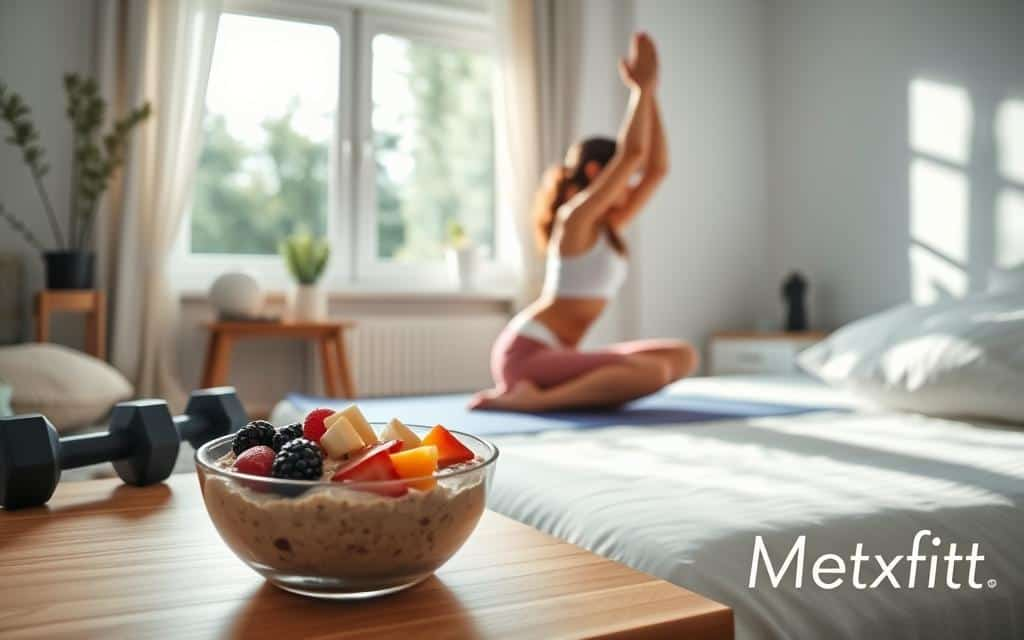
700,248
40,40
839,169
599,107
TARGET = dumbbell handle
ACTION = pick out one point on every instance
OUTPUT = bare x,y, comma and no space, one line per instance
84,450
189,425
81,451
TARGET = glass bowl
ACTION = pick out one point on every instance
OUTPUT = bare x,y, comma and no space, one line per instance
345,540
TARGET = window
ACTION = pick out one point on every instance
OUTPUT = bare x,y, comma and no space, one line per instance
266,135
373,130
432,145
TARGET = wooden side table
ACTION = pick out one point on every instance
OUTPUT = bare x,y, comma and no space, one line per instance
329,335
152,566
92,303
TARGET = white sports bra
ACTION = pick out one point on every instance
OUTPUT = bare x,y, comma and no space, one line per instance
597,273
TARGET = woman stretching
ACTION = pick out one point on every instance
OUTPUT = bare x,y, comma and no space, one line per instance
580,212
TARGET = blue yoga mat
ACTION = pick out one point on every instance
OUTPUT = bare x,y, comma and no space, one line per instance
450,410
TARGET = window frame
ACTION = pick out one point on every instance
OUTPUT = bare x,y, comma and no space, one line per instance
369,267
351,207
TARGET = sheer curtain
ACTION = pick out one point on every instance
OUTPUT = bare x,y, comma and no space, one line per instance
160,51
539,58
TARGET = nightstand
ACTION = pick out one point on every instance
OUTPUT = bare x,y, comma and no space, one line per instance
753,352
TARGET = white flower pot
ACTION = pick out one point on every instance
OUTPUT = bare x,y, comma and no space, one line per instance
307,303
463,264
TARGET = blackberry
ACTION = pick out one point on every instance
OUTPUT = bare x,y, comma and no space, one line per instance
299,459
253,434
287,434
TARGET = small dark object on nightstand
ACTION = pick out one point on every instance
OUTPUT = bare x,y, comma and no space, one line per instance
794,289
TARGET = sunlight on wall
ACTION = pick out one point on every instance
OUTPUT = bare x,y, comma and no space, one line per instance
1009,234
941,119
933,278
938,209
1009,219
1010,140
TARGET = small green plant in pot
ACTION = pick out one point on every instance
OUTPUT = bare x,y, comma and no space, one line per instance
306,258
95,158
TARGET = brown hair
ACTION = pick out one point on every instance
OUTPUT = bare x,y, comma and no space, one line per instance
554,187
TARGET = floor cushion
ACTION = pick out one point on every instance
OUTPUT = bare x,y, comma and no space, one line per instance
72,389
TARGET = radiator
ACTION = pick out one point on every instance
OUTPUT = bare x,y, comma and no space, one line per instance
421,355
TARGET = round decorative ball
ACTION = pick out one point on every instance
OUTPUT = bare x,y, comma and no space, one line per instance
236,295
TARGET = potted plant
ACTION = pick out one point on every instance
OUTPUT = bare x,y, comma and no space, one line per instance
306,258
462,256
95,157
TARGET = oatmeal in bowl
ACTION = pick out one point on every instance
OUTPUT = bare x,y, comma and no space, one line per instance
337,507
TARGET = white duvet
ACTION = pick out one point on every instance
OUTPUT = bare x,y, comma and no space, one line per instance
686,502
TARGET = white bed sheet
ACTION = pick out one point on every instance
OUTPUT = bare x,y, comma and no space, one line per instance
685,502
797,389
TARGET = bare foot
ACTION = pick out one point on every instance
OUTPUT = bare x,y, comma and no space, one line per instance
524,396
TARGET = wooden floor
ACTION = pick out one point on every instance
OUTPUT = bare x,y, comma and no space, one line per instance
105,560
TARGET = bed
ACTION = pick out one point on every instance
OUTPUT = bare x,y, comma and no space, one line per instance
682,484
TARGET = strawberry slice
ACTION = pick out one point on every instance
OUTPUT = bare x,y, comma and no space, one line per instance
255,461
313,427
449,450
374,466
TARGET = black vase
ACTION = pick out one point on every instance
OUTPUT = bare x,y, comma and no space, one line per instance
69,269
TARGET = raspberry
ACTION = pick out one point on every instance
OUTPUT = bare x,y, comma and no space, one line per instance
287,434
255,461
257,432
299,459
313,428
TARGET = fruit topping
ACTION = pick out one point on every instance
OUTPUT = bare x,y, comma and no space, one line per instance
300,459
256,433
449,450
419,463
398,431
287,434
341,438
358,420
313,427
255,461
374,466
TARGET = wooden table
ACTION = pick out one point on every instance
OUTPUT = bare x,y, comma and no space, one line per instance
105,560
92,303
330,336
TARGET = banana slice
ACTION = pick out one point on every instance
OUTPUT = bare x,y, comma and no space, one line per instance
340,438
356,418
395,430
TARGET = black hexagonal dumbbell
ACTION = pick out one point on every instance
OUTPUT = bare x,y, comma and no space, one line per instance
142,441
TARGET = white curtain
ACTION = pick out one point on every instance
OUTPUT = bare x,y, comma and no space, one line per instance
156,50
539,57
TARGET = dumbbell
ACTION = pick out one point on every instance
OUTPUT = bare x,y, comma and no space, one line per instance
142,441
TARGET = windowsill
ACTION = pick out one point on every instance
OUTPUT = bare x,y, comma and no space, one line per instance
379,295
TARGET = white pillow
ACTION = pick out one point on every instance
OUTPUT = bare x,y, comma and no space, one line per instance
961,358
69,387
1005,280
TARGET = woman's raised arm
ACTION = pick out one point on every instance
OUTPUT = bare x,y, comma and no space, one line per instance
654,171
641,75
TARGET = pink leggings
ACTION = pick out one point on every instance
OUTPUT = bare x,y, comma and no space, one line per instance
517,357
